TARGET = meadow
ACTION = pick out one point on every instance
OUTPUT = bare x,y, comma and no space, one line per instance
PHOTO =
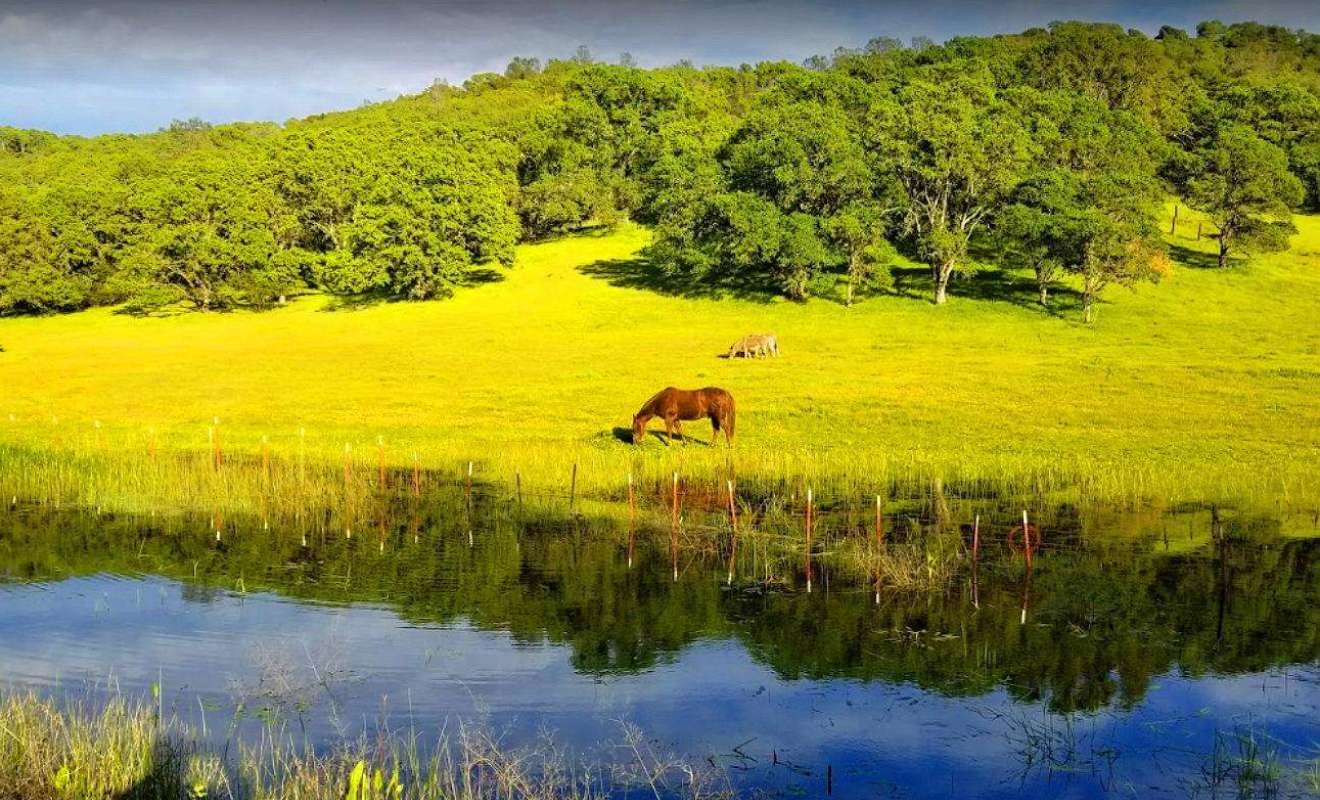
1201,388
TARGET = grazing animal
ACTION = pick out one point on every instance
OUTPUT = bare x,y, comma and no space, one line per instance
677,405
755,344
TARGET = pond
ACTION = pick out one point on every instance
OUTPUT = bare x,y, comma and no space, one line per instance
1172,653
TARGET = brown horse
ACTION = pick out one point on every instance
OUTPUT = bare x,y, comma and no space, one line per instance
675,405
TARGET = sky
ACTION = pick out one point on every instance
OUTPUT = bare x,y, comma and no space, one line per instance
90,67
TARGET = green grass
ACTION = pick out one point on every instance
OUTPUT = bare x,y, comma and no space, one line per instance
124,750
1205,387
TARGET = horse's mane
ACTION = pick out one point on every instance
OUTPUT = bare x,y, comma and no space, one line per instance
653,398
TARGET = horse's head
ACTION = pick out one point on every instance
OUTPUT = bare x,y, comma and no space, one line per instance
639,428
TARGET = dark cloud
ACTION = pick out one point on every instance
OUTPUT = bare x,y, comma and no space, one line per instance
90,67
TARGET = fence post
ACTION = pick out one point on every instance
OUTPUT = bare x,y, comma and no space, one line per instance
976,538
808,526
1026,538
632,519
733,540
673,528
219,452
380,462
572,490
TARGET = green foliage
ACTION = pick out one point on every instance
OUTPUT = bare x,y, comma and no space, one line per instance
957,150
948,151
1243,183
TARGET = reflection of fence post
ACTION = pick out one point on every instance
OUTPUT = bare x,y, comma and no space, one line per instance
808,527
976,538
733,539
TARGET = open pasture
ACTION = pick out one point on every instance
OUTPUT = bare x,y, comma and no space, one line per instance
1203,387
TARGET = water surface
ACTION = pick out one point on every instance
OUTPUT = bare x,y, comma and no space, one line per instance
1140,655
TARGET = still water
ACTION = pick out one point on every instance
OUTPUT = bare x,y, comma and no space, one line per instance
1171,654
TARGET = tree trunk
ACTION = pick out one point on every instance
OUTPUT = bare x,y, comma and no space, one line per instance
852,277
1042,282
942,275
1223,250
1090,291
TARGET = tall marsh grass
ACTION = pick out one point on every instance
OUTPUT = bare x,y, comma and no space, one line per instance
124,750
115,471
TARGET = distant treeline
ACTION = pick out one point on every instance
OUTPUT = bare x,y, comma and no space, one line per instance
1048,150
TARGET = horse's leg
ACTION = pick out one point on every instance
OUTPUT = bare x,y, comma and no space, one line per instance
714,429
669,431
678,426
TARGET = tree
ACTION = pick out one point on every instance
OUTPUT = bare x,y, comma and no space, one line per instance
858,230
1040,229
1117,250
1090,159
957,150
521,67
1241,181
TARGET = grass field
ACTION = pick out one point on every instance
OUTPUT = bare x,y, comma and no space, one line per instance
1206,386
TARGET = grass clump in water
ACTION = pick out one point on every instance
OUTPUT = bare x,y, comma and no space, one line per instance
124,750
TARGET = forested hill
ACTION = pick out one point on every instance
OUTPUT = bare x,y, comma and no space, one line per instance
1050,150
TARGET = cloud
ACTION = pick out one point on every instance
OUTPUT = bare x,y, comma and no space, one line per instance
90,67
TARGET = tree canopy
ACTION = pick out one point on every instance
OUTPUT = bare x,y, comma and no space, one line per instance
1049,151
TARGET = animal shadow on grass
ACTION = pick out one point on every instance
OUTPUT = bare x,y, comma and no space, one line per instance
642,273
991,284
625,435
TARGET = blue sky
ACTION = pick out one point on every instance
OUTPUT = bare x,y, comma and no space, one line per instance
75,66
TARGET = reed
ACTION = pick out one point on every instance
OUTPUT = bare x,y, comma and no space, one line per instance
123,749
286,476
